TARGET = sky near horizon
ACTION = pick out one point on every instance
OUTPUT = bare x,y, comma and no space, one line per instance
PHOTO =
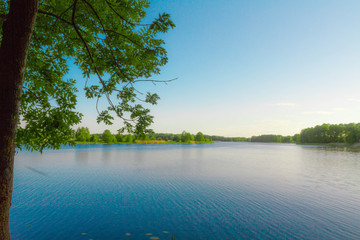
248,68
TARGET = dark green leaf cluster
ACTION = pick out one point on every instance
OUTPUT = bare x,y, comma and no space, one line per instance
107,137
199,137
162,23
94,138
186,137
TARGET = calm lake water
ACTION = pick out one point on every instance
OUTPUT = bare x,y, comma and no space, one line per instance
210,191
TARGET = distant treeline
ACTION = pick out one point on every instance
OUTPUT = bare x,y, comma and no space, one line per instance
331,133
325,133
272,139
83,135
227,139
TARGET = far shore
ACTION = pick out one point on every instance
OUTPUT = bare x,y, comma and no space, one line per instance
144,142
337,146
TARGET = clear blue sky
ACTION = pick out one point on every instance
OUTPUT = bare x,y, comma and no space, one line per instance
254,67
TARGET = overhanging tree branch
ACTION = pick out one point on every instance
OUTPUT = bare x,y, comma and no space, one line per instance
55,16
92,60
107,40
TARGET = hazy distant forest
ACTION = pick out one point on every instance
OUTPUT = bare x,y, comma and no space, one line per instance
325,133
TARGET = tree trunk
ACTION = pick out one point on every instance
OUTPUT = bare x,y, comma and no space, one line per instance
17,30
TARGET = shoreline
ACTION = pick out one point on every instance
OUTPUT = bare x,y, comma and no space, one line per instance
139,142
335,146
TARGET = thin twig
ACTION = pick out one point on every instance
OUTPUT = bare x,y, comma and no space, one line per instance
154,81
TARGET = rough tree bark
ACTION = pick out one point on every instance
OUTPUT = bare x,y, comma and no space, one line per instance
17,30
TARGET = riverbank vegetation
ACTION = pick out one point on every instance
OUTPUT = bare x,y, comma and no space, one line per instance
330,133
83,136
272,139
345,134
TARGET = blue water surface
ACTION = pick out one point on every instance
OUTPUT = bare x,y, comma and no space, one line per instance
208,191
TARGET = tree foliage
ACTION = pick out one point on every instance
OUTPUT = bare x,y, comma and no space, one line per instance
107,137
129,138
331,133
105,39
177,138
94,138
199,137
83,134
119,137
186,137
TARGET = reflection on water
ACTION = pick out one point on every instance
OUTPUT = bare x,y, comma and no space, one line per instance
210,191
82,156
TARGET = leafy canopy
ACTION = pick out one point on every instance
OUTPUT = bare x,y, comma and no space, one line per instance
107,137
105,38
199,137
82,134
